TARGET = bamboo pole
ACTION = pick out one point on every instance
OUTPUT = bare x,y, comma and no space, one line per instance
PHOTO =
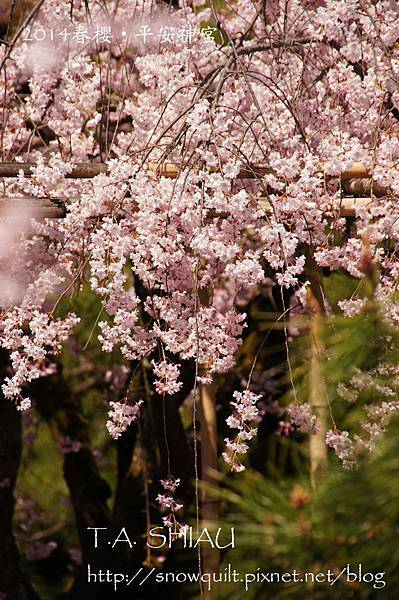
344,207
35,207
209,463
355,171
90,170
317,396
172,170
318,402
56,208
363,186
80,171
355,181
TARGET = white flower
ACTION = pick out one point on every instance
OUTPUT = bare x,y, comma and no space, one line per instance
121,416
342,446
246,412
300,415
25,404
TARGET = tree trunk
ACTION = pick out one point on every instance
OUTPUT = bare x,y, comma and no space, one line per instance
14,583
88,491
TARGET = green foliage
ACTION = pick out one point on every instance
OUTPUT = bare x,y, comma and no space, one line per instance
283,525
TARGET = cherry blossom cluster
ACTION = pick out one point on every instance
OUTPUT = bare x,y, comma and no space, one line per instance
302,418
29,346
379,382
167,502
343,447
378,417
245,414
121,416
167,378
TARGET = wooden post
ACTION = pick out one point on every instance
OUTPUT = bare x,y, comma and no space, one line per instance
209,463
318,402
318,399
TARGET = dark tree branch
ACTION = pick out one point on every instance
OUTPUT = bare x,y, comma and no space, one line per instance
88,491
